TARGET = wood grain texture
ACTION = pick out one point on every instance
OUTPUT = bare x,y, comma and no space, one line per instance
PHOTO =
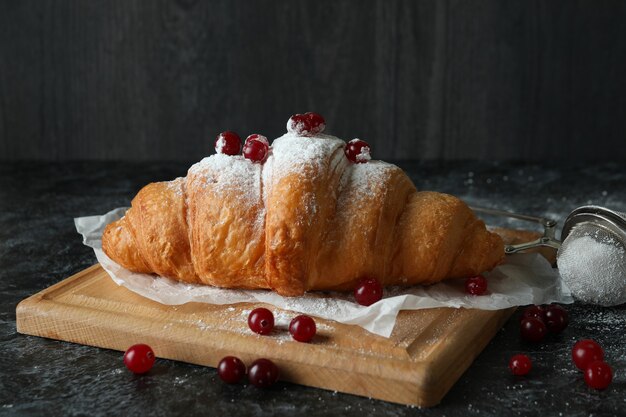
417,79
425,355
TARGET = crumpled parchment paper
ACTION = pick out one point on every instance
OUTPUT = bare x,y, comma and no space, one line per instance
523,279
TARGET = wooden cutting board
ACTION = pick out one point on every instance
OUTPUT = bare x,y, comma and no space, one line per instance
426,354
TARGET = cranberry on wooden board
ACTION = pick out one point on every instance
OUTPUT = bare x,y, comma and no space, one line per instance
261,321
302,328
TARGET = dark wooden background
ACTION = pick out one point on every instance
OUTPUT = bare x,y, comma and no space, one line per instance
429,79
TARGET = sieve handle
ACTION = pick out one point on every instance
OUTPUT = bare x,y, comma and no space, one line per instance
549,230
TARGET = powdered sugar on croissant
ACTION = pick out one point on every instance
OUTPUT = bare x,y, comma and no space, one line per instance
306,219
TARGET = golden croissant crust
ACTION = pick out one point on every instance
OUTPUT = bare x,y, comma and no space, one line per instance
306,219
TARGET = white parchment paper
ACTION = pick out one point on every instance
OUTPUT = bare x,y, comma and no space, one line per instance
523,279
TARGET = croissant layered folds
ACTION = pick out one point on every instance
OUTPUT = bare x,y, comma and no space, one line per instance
306,219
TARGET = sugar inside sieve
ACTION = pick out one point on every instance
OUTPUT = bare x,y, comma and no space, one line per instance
592,255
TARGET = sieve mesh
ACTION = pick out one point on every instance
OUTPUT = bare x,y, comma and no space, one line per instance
592,263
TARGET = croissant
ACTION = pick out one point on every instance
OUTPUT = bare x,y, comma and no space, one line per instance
306,219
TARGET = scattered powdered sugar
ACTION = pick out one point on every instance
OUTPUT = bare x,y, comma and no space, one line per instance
364,155
360,182
594,268
365,177
294,153
233,173
176,185
291,153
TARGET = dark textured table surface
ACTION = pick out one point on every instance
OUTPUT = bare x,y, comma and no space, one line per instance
39,247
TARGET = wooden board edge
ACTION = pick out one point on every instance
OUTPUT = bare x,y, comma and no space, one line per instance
463,360
414,384
31,321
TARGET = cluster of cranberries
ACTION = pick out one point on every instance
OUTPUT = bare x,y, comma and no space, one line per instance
302,328
256,147
262,373
140,358
587,355
307,124
537,321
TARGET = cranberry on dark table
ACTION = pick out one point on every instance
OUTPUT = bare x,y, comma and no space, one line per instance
533,329
263,373
231,369
139,358
586,351
556,318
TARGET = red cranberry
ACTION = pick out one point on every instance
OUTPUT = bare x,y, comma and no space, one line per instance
556,318
534,311
298,124
139,358
308,124
476,285
256,150
598,375
368,291
228,143
256,136
533,329
586,351
316,121
231,369
520,365
302,328
358,151
261,321
263,373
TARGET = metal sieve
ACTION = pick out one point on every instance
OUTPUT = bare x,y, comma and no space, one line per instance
591,253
